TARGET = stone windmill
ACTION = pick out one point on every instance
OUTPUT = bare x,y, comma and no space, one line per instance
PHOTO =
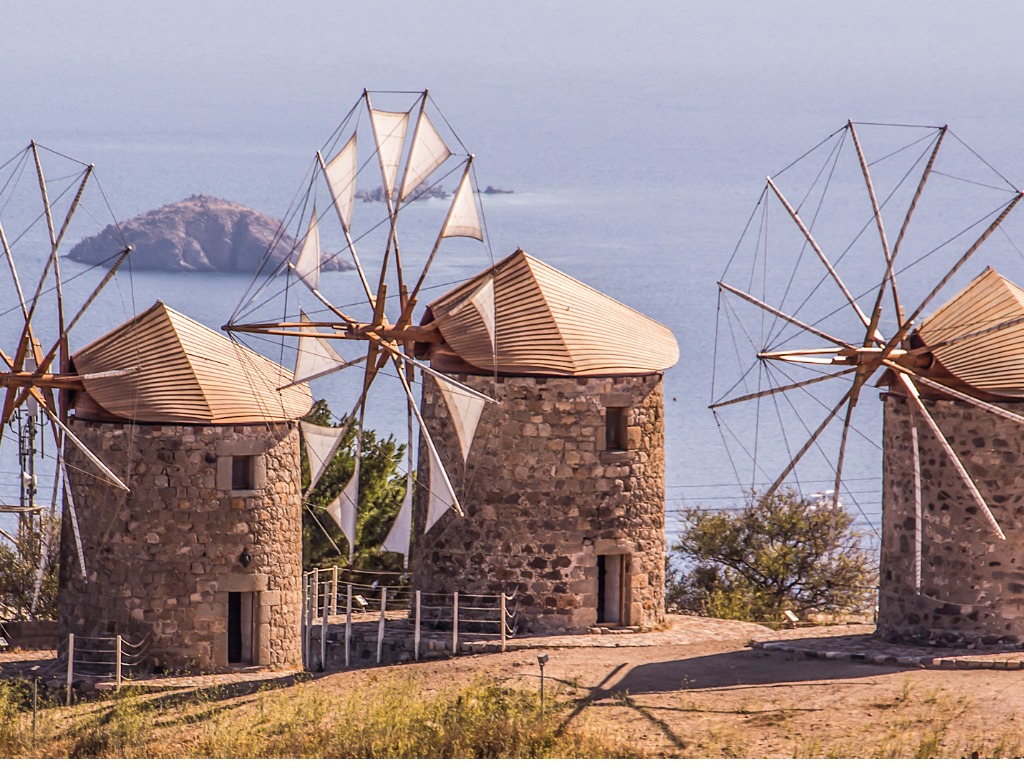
407,154
169,451
563,478
525,388
951,379
41,191
202,562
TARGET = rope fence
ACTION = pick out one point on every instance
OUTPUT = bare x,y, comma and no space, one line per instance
97,658
464,615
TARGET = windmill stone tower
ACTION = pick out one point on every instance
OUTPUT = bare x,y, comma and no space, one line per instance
204,556
563,483
951,570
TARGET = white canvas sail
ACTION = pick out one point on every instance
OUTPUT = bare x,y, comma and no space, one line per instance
400,535
463,220
314,358
341,178
321,443
69,498
427,153
441,496
389,130
343,509
483,300
465,410
307,266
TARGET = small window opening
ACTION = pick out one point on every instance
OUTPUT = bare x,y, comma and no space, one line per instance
615,429
241,473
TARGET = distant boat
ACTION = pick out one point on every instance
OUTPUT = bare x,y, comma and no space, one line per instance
495,191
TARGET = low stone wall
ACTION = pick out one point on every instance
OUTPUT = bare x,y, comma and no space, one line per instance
544,498
972,583
163,560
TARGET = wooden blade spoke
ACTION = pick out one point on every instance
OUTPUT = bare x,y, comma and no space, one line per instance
901,334
784,388
906,224
872,331
66,431
782,315
858,382
963,396
436,374
427,438
806,446
821,254
915,447
348,239
975,494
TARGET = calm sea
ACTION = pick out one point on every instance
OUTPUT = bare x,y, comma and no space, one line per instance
636,140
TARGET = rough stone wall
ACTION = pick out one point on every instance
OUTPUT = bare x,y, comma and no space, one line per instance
972,583
543,498
163,559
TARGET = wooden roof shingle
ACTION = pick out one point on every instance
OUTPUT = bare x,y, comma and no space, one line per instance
550,324
186,373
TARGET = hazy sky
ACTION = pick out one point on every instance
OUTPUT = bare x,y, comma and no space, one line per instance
198,67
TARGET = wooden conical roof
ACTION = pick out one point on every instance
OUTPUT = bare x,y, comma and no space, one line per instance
547,323
978,335
187,373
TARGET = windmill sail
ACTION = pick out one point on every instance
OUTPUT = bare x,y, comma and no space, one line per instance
321,443
389,130
441,496
483,300
307,265
428,152
465,410
344,509
399,536
315,358
340,173
463,220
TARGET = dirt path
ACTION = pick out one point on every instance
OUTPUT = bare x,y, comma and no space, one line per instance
724,699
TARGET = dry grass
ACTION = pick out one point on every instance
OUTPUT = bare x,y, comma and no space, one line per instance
387,717
410,713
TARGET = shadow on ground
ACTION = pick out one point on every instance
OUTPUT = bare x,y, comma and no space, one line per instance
738,669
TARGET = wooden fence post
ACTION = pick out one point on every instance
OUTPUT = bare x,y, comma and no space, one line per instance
310,600
501,609
380,626
348,626
334,591
323,632
455,623
117,662
416,630
315,579
71,663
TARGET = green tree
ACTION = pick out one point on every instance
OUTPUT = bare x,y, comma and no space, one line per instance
381,492
19,566
779,552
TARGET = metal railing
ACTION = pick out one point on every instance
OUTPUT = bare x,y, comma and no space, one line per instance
474,616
